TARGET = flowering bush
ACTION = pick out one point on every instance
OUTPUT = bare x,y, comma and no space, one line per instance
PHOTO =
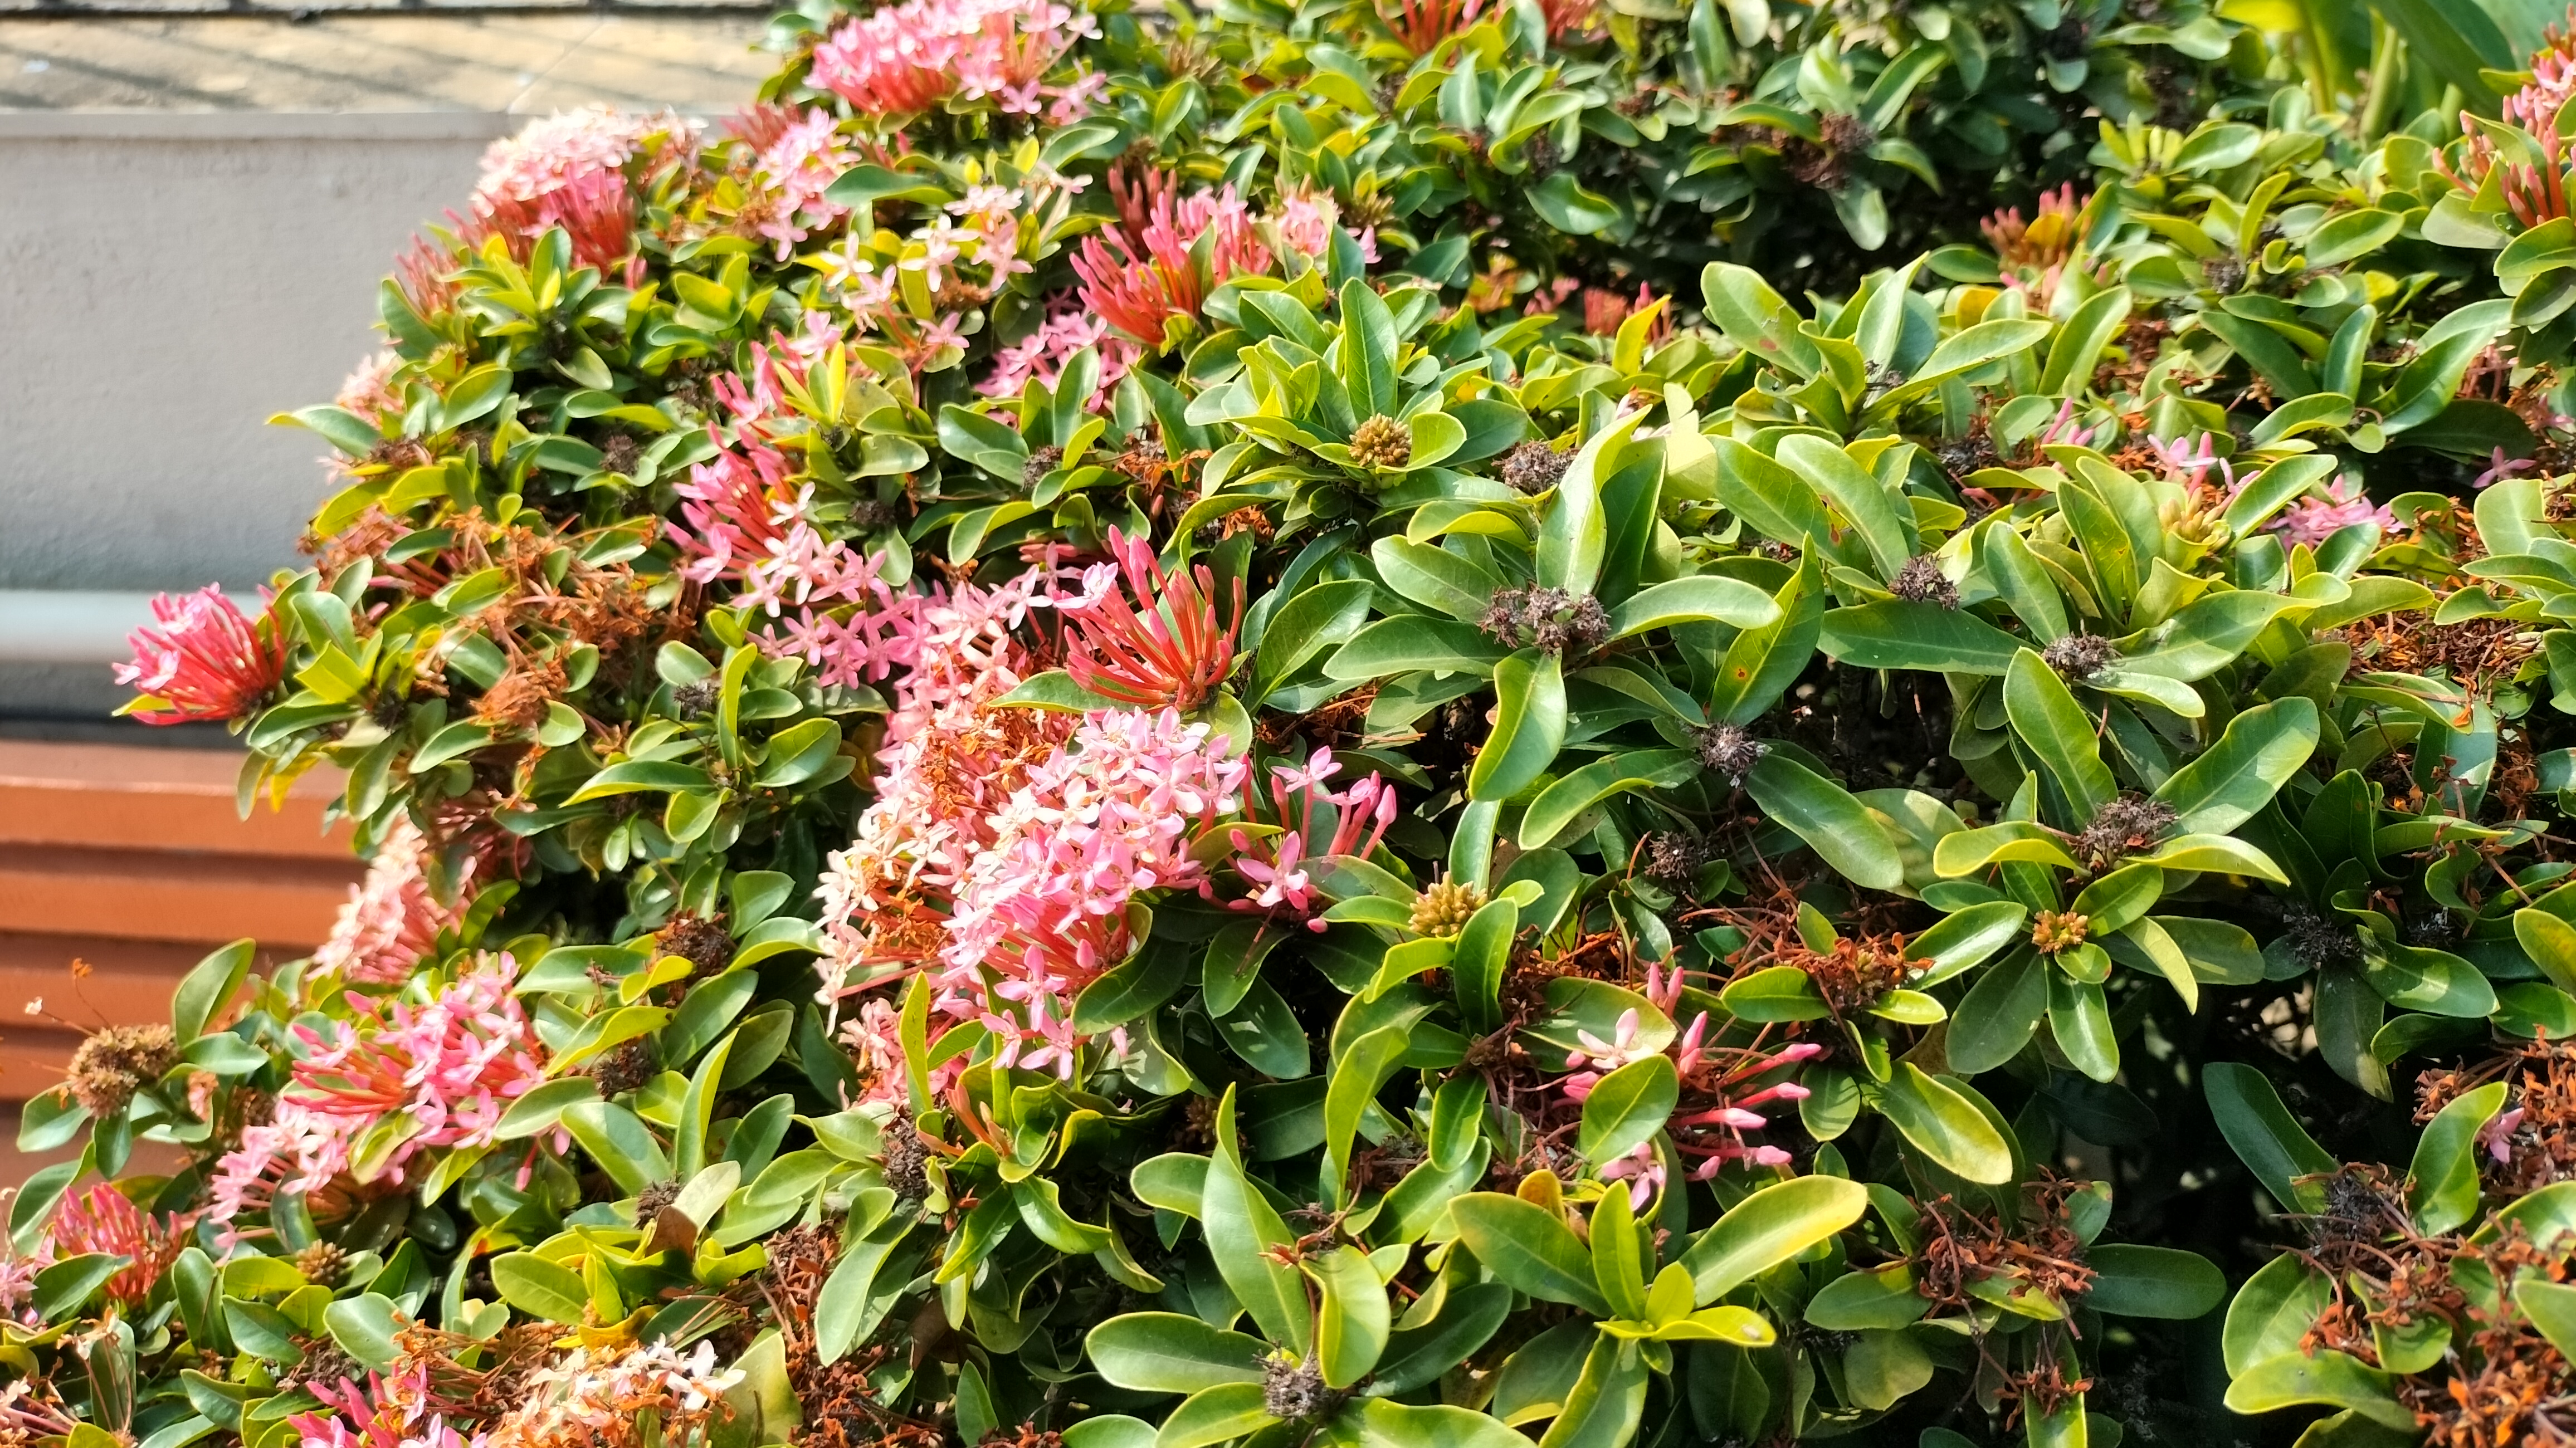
1122,728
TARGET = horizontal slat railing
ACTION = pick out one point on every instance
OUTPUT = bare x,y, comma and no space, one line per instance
134,861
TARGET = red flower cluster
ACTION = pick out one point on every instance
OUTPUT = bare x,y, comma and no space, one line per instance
1172,652
207,660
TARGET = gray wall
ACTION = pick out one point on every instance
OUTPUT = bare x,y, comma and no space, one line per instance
171,280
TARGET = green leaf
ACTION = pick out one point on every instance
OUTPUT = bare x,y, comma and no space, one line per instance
1859,1301
1627,1107
1478,960
2327,1378
618,1140
1574,535
1969,851
1165,1352
2442,1182
1430,576
1381,1423
1896,634
2080,342
364,1326
1704,598
1775,993
1408,642
1769,1227
1319,616
1368,350
542,1289
842,1308
1351,1323
642,776
2233,779
1359,1068
1607,1400
1468,1319
2134,1281
1839,828
2551,944
1215,1415
1856,494
2000,1013
2272,1312
2057,730
1529,726
1242,1230
1946,1126
1964,939
1565,205
2267,1139
208,985
2551,1306
62,1286
1529,1248
1627,771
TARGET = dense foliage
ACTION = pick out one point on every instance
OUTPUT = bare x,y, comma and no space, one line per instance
1128,728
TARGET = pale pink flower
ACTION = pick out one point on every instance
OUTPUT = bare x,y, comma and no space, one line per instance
1642,1170
2312,520
1715,1134
599,1397
368,391
568,146
2062,430
793,171
1109,816
1040,356
391,919
2497,1135
1307,220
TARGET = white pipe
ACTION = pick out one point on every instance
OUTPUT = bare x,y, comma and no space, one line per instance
69,626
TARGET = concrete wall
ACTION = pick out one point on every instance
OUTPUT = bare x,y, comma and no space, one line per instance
171,281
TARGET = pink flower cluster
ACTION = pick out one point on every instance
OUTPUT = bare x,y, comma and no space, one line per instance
1042,910
1308,812
2309,519
387,1413
446,1069
906,58
569,171
1307,220
1711,1133
206,661
2312,520
748,525
948,762
391,920
368,391
106,1220
1040,356
602,1397
568,147
790,174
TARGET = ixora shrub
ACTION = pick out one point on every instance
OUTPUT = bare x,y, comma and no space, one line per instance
1128,728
